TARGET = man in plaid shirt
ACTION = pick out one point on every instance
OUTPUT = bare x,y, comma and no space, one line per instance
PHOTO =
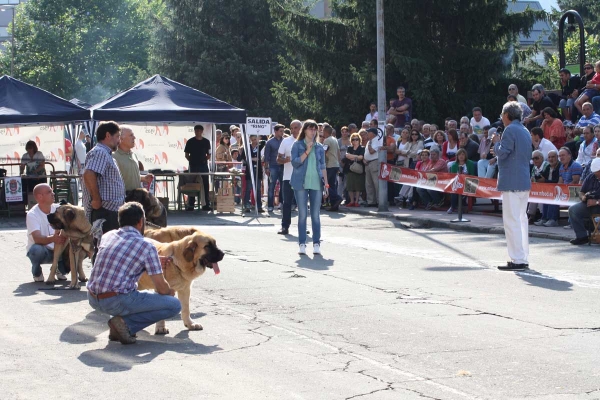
123,256
103,189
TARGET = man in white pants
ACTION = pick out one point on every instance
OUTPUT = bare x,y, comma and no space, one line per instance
513,150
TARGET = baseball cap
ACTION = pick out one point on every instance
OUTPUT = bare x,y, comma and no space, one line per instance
595,165
233,127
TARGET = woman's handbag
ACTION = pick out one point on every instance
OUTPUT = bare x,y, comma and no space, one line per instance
357,168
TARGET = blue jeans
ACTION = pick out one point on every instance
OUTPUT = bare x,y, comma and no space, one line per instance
138,309
302,198
596,104
39,255
275,176
288,196
485,170
550,211
429,196
579,214
333,185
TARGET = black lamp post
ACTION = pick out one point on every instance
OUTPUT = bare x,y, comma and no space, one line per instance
570,16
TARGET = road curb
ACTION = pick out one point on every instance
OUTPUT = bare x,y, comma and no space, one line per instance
436,223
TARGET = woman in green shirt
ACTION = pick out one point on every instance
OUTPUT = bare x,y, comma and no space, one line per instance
309,181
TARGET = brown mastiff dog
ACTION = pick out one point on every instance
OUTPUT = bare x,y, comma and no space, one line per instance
76,227
190,257
155,212
170,234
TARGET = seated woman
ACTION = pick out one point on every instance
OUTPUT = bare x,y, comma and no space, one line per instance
553,128
462,166
538,173
33,164
592,89
450,147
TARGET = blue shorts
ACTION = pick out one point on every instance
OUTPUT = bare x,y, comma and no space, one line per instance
591,93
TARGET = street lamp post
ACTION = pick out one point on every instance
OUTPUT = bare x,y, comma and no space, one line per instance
382,200
569,17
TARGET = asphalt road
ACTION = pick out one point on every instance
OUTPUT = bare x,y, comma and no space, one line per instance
385,313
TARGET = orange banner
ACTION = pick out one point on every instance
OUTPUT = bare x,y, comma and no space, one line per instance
467,185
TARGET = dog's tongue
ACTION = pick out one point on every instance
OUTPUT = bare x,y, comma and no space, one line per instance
215,267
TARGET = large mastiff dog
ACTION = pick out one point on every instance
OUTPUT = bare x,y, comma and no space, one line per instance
76,227
155,212
190,256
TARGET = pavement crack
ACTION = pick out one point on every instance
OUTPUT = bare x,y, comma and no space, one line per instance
370,393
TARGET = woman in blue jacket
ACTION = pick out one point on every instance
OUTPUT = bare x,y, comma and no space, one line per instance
309,181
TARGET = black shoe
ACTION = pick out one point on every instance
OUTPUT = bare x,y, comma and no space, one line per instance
578,241
511,266
283,231
206,208
189,208
336,205
260,210
371,205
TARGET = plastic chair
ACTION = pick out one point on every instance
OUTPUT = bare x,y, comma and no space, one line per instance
61,186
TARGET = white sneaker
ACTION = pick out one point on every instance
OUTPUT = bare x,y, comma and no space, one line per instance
567,227
540,222
302,250
551,223
39,278
60,276
316,248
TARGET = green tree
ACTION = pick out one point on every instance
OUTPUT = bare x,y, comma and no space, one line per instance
84,49
226,48
452,55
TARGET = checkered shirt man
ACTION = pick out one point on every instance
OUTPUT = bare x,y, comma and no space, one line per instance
110,182
122,257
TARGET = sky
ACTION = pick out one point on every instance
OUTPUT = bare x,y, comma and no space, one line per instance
548,4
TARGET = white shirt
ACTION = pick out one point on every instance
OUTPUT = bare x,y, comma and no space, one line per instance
369,117
80,151
285,149
376,143
37,220
478,126
545,147
521,99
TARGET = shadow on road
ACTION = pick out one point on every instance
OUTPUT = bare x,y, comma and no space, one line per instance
453,269
27,289
535,278
116,357
317,263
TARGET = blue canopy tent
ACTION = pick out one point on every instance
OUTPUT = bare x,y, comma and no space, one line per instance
21,103
159,99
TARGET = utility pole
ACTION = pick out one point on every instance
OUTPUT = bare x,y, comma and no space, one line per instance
12,45
381,103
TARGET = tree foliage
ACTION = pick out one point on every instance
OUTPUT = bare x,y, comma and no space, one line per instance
226,48
448,53
78,48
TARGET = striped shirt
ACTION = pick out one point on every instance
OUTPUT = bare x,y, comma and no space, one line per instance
122,257
110,182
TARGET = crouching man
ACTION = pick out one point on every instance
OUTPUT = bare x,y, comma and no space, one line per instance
41,237
122,257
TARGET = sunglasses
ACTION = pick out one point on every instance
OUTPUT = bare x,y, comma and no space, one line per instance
355,140
588,67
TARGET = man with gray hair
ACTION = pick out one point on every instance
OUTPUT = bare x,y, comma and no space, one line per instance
540,101
514,90
514,154
128,162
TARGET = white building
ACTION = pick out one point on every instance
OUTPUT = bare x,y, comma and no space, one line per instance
6,15
540,31
320,9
